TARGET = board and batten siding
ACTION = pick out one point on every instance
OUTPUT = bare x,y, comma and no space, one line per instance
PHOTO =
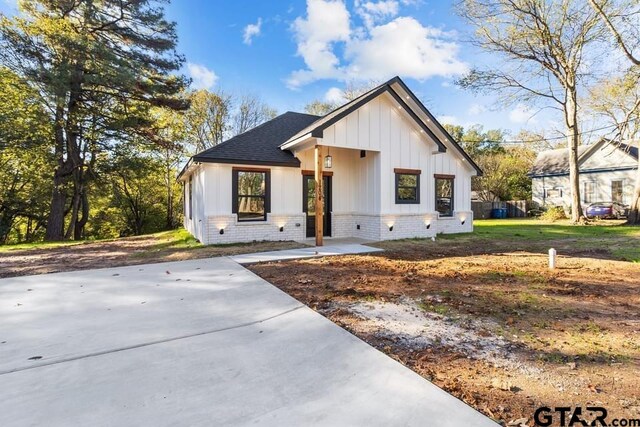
195,223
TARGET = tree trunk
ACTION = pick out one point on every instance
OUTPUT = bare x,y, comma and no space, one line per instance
75,206
55,220
78,232
6,222
634,211
573,140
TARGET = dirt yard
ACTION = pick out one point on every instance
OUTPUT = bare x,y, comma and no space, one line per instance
161,247
485,319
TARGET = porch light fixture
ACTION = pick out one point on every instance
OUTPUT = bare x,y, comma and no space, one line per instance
328,160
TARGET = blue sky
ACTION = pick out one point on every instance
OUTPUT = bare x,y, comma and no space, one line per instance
292,52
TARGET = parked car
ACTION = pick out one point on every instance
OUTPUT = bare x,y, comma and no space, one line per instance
607,210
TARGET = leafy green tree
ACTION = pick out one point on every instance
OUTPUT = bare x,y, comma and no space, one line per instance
505,167
138,190
99,66
25,162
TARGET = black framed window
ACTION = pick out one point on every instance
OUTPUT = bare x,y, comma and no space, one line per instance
407,186
190,197
251,194
444,194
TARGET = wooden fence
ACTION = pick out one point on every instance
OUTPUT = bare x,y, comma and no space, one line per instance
515,208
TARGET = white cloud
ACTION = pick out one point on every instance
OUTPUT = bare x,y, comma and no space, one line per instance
522,114
476,109
251,31
402,46
372,12
448,120
203,78
327,22
334,96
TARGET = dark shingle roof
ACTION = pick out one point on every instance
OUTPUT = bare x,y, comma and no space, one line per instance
631,149
554,162
260,145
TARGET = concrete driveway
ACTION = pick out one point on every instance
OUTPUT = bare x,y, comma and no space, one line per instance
202,342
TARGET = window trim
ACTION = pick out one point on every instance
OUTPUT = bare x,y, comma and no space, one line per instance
266,197
191,197
415,172
452,178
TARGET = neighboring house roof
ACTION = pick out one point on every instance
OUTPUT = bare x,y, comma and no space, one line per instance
260,145
556,162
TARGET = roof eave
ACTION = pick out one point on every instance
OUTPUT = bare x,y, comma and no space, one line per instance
294,163
302,138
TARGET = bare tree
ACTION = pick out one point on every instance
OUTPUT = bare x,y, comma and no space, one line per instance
539,49
623,109
251,112
207,121
351,91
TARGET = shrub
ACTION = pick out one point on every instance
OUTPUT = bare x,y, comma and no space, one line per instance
553,214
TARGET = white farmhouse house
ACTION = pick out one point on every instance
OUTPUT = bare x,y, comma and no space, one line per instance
386,169
607,174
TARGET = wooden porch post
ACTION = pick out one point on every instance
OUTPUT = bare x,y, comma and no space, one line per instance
319,195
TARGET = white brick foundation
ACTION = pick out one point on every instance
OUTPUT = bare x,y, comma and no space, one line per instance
345,225
293,228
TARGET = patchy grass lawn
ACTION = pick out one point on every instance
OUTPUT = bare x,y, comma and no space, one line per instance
483,317
175,245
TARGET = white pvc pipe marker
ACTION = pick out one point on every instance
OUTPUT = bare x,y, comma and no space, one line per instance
552,258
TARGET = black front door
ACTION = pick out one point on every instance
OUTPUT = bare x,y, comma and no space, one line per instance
309,204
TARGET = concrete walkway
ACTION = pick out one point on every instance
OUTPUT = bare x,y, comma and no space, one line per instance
314,251
193,343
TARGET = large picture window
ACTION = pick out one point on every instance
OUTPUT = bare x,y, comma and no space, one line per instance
407,186
251,194
444,194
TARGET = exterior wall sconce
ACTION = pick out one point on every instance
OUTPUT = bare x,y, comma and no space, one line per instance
428,226
222,231
281,229
391,228
463,221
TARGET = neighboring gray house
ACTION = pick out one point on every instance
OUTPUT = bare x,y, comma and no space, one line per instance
607,174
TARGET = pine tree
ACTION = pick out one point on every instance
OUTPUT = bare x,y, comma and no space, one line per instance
99,66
